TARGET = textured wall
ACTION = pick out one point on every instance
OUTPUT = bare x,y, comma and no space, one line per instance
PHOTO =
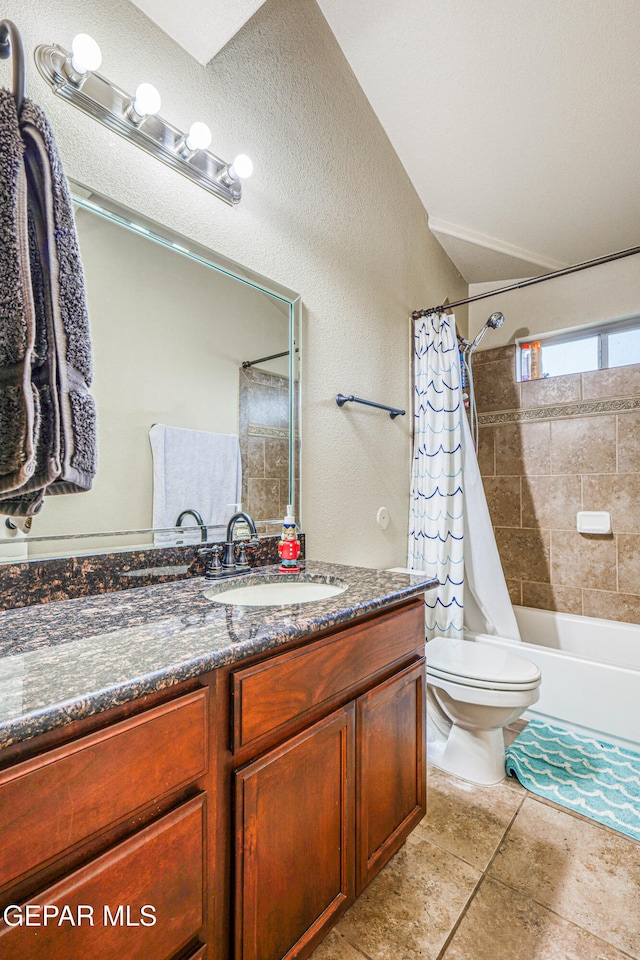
329,212
547,449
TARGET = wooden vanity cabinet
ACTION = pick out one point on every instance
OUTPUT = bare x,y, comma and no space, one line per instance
319,814
248,807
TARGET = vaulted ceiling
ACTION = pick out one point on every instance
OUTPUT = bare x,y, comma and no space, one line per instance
518,121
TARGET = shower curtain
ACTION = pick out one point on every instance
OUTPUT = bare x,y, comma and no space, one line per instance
436,522
450,531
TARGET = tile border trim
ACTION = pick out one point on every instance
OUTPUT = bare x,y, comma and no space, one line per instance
276,433
562,411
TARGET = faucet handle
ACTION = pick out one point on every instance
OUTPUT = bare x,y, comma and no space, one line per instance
242,561
214,567
242,548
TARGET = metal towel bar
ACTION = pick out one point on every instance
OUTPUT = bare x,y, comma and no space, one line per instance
393,411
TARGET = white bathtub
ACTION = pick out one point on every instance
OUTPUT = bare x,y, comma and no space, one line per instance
590,672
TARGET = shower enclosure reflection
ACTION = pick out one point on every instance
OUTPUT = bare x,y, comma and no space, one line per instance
171,326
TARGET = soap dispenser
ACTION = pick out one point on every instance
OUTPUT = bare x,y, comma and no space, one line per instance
289,546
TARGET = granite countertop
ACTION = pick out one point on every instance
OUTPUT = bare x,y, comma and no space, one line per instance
69,659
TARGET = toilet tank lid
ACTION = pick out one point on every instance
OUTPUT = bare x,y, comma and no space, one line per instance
466,658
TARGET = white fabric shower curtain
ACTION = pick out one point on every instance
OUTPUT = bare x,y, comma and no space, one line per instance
487,605
450,531
436,523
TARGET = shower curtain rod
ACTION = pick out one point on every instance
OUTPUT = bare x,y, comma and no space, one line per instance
273,356
527,283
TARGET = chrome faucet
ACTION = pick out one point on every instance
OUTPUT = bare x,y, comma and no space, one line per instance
198,519
229,560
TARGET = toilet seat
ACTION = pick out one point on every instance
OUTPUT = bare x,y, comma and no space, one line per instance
481,684
487,696
474,665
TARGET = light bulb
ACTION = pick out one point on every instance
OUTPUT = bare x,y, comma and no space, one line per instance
86,53
242,166
199,136
147,100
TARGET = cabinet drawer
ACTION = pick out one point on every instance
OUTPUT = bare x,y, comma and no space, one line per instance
155,876
54,801
271,694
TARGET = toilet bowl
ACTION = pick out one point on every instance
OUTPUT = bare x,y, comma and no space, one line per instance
473,691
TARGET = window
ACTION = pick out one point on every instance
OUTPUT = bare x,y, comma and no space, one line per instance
614,344
623,347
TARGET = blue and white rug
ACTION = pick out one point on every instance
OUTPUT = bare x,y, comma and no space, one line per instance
591,777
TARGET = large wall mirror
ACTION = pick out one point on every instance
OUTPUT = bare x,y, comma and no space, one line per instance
185,339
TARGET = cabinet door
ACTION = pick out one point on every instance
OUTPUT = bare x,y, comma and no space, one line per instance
295,869
391,768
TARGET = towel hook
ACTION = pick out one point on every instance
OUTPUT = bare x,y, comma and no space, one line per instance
11,46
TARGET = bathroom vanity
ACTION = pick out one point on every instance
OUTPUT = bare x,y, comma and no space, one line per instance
181,778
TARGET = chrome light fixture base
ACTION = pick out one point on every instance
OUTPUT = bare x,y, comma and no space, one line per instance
111,106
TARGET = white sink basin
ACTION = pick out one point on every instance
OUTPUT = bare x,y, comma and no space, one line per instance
280,593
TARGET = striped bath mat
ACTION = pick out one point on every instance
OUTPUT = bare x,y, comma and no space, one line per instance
593,778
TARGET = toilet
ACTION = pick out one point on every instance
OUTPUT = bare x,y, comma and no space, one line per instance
473,691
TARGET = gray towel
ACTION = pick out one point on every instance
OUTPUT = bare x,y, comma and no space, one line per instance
18,399
63,423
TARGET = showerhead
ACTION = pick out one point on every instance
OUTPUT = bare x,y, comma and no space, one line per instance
495,320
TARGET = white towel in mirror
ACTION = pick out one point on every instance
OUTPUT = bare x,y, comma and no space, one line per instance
193,470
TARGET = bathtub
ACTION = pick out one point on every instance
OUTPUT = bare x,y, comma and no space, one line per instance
590,672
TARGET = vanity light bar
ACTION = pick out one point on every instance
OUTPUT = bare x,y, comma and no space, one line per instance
113,107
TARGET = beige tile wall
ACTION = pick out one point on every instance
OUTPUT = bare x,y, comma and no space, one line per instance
549,452
264,448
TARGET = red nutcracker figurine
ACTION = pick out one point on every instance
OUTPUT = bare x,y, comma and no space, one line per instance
289,546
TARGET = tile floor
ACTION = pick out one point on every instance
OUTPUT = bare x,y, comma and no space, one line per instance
496,873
